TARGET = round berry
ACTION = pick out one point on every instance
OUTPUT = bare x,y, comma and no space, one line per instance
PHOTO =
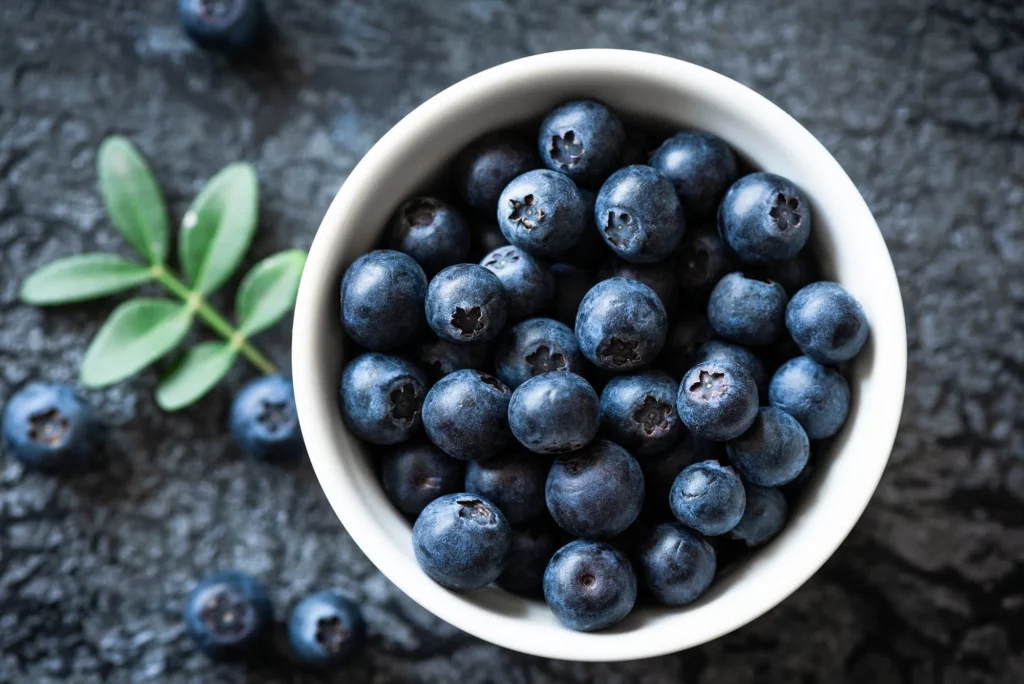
661,470
382,299
47,427
326,630
747,310
676,565
701,167
639,215
466,303
441,357
513,481
621,325
554,413
528,282
700,261
773,451
639,412
413,475
827,323
466,415
382,397
228,26
534,347
708,497
431,232
764,516
717,400
659,277
764,218
533,546
589,585
818,397
462,541
583,139
794,274
542,212
229,615
264,422
716,350
489,164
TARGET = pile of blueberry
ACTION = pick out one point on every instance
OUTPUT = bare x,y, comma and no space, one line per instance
620,388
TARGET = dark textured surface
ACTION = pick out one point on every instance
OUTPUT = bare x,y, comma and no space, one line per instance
922,102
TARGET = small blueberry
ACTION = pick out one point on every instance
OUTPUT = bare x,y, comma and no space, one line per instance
466,415
621,325
229,615
533,347
382,397
47,427
675,564
326,630
589,585
708,497
554,413
264,422
827,323
382,297
701,167
818,397
747,310
659,277
542,212
431,232
466,303
764,219
228,26
639,412
717,400
513,481
639,215
583,139
528,282
489,164
773,451
415,474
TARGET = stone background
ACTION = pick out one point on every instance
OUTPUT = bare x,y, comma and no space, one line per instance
922,102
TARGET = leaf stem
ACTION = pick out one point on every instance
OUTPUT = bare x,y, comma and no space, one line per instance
213,319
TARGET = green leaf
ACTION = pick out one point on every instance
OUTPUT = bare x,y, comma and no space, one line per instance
82,277
133,198
267,292
217,229
138,332
194,375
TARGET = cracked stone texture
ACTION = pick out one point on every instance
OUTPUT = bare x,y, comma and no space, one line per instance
922,102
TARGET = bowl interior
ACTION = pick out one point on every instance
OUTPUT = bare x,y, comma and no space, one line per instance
669,93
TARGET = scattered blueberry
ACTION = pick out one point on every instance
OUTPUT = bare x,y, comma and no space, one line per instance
466,415
773,451
717,400
229,615
484,168
700,261
818,397
708,497
264,422
514,482
431,232
827,323
589,585
382,397
764,516
47,427
659,277
326,630
542,212
582,139
228,26
700,165
747,310
415,474
532,548
687,333
764,218
676,565
621,325
639,412
661,470
534,347
639,215
596,492
529,285
462,541
554,413
382,299
571,286
441,357
466,303
716,350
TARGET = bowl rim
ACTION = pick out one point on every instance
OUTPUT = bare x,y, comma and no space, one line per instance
473,616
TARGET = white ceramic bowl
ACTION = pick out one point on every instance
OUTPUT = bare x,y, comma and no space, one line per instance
666,91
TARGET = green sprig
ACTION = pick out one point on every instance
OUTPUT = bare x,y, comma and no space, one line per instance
214,237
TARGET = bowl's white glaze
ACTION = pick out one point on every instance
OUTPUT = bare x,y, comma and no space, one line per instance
669,92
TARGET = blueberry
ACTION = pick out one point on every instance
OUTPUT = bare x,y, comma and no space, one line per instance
382,397
764,218
661,470
818,397
687,333
676,565
747,310
717,400
532,548
382,299
764,516
326,630
441,357
571,285
797,273
229,615
773,451
621,325
639,214
486,237
228,26
542,212
596,492
466,303
415,474
659,277
431,232
639,412
589,251
533,347
700,261
529,285
827,323
708,497
701,166
484,168
513,481
583,139
554,413
589,585
264,422
466,415
716,350
462,541
48,427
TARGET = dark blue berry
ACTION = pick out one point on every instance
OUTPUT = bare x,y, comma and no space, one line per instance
701,166
596,492
228,26
264,422
382,299
700,261
431,232
708,497
661,470
621,325
462,541
466,415
589,585
466,303
542,212
659,277
484,168
382,397
818,397
639,215
513,481
229,615
639,412
676,565
773,451
47,427
583,139
717,400
326,630
797,273
747,310
764,218
486,237
716,350
554,413
827,323
415,474
571,285
763,517
589,251
533,347
441,357
687,333
529,285
533,546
